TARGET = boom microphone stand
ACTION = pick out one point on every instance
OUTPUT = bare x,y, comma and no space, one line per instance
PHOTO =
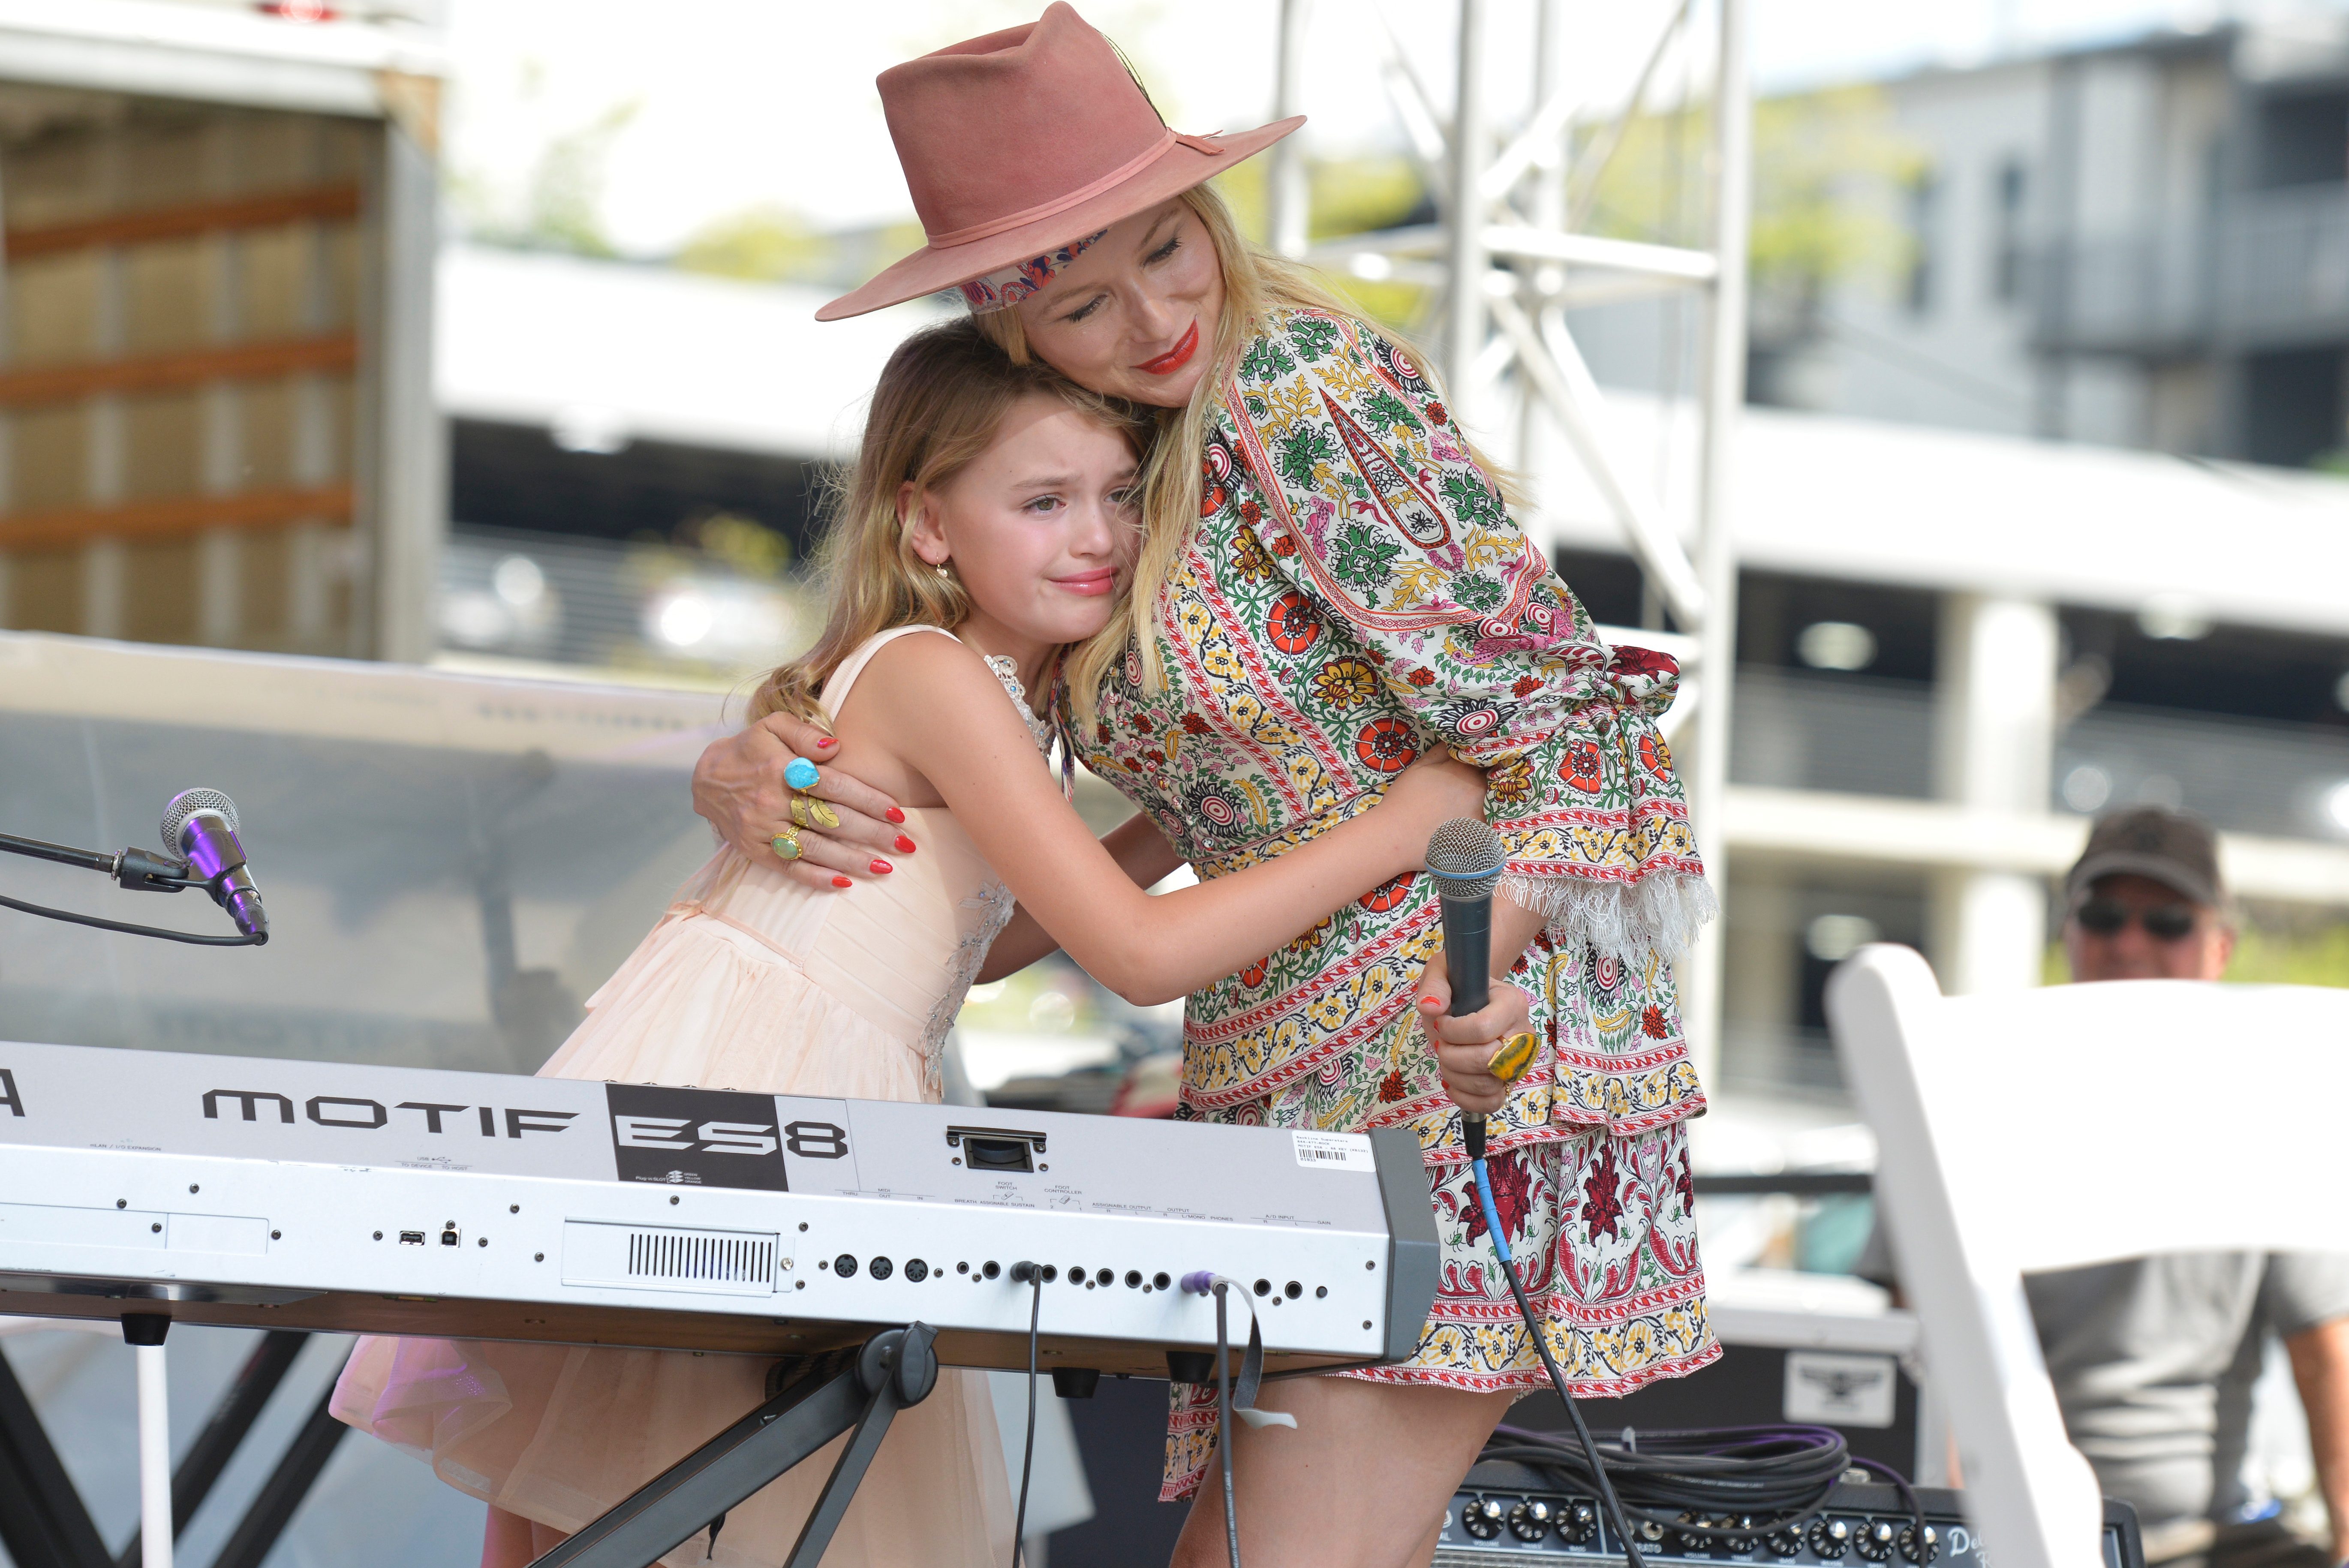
140,871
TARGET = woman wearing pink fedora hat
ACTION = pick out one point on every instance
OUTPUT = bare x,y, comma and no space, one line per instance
1328,581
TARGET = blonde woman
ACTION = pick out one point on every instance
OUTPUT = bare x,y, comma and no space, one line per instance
989,524
1330,585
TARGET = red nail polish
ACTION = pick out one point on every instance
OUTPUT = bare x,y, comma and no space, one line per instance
904,845
826,743
842,882
882,867
896,815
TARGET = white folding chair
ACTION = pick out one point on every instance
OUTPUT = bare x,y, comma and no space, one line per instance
2068,1126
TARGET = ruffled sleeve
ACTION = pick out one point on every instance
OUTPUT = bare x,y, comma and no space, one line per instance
1387,526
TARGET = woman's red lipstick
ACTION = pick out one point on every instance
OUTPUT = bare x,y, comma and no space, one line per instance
1177,357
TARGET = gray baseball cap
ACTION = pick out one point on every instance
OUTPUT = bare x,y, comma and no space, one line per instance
2177,851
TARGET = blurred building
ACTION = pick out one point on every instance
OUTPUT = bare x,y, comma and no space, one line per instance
636,454
215,416
1967,619
2143,243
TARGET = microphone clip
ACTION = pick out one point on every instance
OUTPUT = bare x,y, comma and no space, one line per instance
143,870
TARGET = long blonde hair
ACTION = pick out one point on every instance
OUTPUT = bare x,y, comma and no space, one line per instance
937,408
1256,284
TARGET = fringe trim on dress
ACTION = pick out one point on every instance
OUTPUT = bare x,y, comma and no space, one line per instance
1660,914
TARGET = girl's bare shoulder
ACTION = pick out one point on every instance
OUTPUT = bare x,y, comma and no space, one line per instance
931,681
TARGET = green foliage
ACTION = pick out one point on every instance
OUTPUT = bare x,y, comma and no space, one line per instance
566,188
748,547
2278,952
2319,957
765,243
1346,196
1828,170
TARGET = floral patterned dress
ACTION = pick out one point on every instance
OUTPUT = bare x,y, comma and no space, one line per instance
1357,591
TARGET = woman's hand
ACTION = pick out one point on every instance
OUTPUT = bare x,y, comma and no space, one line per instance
1465,1045
1429,793
739,786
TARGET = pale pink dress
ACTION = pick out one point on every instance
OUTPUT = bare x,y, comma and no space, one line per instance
749,982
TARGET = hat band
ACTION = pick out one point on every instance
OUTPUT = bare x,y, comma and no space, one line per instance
1002,290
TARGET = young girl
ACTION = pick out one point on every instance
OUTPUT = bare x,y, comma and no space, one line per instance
989,524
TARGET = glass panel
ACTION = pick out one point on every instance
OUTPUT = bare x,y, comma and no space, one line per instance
451,863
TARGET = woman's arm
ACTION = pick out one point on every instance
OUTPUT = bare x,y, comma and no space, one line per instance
936,706
1141,851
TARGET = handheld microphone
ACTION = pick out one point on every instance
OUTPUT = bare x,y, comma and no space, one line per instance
200,825
1465,857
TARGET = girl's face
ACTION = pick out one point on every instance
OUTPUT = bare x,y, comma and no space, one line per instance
1040,528
1135,316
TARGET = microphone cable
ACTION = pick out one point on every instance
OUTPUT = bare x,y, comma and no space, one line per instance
1472,1131
188,937
1033,1274
1230,1401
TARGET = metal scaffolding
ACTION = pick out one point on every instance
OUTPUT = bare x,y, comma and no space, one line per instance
1511,255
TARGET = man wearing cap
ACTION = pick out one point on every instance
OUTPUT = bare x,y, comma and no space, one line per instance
2153,1359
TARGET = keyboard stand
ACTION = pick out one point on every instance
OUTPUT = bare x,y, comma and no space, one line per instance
858,1391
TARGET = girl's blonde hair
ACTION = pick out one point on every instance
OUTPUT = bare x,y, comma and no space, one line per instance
1256,284
935,408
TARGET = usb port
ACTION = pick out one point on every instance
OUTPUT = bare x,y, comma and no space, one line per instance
411,1238
449,1234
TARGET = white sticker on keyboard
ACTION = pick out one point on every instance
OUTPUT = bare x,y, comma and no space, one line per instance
1334,1150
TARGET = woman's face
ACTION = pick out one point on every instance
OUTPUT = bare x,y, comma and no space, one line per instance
1040,526
1135,316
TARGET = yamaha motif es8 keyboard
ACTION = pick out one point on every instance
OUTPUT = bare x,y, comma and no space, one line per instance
289,1195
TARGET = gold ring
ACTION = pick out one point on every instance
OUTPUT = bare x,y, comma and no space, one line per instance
807,812
1514,1057
787,844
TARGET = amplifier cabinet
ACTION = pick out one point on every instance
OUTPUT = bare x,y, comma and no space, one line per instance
1512,1516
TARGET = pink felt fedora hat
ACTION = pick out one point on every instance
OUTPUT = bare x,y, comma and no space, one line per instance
1026,141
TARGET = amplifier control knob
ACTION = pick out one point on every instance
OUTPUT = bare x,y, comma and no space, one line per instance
1876,1541
1741,1543
1831,1538
1482,1519
1578,1524
1909,1549
1785,1541
1695,1540
1530,1520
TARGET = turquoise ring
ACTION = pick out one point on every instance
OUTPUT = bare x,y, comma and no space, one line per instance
801,774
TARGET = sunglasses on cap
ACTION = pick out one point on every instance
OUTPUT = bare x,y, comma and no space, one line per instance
2163,921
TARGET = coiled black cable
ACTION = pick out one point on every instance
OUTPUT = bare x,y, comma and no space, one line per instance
1762,1478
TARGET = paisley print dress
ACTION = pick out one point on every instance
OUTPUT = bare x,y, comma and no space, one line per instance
1357,591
